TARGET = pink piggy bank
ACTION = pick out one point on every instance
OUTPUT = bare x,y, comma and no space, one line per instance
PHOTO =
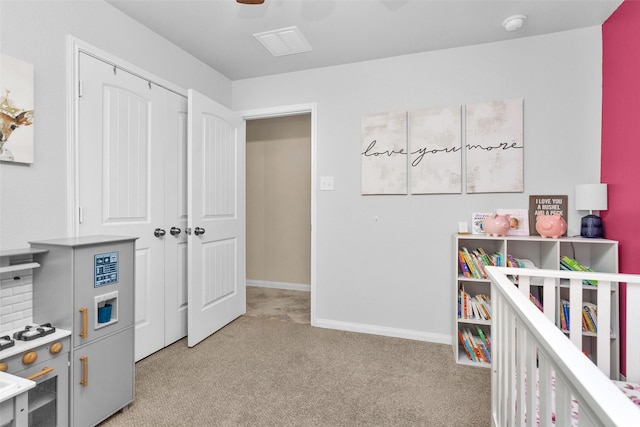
552,226
496,225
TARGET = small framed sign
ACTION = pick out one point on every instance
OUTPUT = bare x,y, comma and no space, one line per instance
518,221
476,221
463,227
546,205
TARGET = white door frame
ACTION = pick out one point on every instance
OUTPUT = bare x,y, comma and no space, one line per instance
292,110
74,47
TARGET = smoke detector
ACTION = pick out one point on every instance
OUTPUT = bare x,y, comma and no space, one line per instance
514,23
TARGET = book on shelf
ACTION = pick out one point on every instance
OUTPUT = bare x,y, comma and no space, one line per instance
474,346
463,265
484,338
472,262
477,307
467,348
571,264
479,265
472,268
536,302
590,317
477,347
564,315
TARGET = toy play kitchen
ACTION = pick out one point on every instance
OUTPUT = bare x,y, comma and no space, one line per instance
79,350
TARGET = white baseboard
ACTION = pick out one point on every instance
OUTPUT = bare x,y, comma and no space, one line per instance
384,331
279,285
356,327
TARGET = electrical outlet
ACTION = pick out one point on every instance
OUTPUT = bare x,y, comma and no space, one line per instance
326,183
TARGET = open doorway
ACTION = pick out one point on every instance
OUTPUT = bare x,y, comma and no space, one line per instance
279,217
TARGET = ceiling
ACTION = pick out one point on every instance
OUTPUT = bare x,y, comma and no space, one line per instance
220,32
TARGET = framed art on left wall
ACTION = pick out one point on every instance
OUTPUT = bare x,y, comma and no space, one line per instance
16,110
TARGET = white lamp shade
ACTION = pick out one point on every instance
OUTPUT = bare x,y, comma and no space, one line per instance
591,197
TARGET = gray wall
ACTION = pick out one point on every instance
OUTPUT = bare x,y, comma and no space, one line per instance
394,275
33,199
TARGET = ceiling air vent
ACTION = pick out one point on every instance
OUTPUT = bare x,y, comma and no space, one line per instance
285,41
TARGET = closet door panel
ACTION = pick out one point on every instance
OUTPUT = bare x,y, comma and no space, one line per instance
176,215
121,183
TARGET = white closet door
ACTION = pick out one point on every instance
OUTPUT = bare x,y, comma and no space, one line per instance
176,248
120,185
216,217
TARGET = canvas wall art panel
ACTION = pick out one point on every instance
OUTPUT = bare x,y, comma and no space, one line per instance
435,137
384,153
16,110
494,147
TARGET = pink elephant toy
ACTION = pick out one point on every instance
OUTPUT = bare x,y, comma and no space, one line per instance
553,226
496,225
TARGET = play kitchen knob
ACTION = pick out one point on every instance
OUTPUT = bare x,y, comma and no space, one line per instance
198,231
175,231
55,348
3,367
29,357
159,232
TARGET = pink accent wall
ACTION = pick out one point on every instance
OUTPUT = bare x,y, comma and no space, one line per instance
620,167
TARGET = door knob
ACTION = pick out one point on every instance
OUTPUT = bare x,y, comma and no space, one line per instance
175,231
159,232
198,231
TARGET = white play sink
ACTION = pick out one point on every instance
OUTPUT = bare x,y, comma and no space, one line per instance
11,386
7,385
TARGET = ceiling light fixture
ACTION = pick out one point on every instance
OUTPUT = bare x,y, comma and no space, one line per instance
514,23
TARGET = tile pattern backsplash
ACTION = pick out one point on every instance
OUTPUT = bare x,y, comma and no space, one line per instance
16,308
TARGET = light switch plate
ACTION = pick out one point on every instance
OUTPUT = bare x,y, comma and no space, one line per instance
326,183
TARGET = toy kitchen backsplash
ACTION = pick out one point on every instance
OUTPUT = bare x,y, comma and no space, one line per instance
16,308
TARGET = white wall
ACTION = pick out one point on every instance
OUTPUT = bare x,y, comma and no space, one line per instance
33,201
394,275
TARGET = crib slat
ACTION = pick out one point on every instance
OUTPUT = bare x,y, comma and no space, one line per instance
549,298
603,340
531,398
545,390
633,333
510,357
521,379
563,402
575,312
524,284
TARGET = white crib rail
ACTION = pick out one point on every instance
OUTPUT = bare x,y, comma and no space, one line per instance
526,341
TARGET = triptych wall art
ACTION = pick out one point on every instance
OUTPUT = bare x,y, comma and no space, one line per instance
421,151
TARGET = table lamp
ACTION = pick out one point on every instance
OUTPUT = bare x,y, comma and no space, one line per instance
591,197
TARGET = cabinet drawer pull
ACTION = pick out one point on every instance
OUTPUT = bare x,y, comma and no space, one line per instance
85,371
44,371
85,320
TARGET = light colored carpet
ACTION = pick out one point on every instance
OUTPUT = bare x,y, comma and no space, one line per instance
260,371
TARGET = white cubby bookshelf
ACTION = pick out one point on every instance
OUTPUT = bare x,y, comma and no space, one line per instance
599,254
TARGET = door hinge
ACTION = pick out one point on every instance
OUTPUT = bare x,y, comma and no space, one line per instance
79,88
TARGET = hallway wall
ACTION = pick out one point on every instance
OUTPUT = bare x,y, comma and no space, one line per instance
279,200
